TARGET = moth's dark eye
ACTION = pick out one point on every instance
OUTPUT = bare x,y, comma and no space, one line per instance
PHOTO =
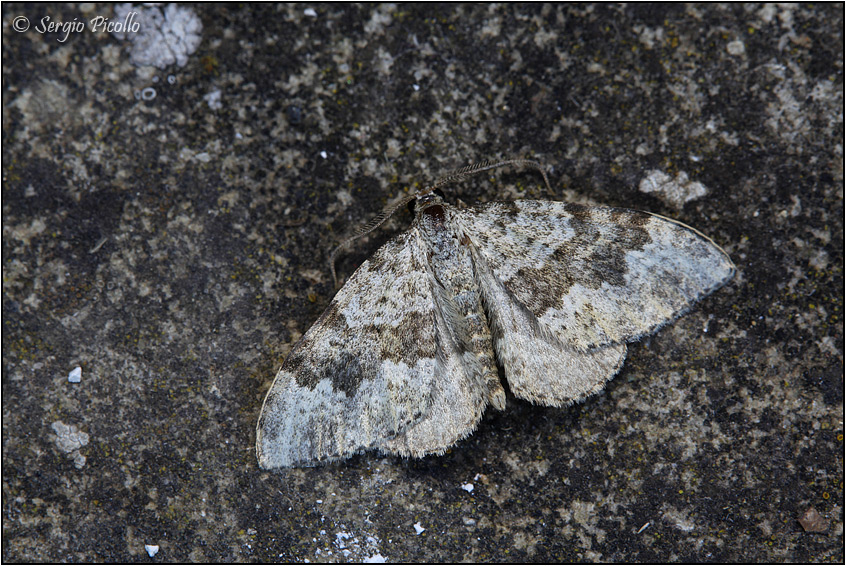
437,194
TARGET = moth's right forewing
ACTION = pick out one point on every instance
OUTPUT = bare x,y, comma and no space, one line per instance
364,372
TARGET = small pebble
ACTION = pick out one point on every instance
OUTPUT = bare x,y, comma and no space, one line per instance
813,522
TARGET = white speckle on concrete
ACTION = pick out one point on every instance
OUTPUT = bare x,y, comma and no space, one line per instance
213,100
341,539
69,437
382,17
383,61
468,487
75,376
163,37
736,48
418,528
69,440
678,519
675,192
152,549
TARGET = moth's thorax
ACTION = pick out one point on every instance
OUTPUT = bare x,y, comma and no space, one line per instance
433,222
448,256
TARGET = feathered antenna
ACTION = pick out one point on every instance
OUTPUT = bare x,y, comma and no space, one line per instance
471,170
450,177
374,223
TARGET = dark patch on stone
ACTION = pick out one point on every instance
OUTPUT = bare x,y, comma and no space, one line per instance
295,115
828,381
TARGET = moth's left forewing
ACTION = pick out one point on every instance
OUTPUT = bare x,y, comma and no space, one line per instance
567,286
593,275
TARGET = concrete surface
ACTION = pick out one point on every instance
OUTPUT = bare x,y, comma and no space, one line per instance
172,243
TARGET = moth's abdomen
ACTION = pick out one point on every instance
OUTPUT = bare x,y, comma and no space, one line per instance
458,295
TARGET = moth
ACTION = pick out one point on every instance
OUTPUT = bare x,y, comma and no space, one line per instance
404,359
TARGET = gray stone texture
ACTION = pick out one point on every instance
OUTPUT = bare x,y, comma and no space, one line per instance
173,242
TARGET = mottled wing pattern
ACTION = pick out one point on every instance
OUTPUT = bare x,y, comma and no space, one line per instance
569,285
380,369
364,372
459,397
387,365
594,275
539,366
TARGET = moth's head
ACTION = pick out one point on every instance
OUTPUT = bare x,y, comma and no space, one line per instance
427,200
